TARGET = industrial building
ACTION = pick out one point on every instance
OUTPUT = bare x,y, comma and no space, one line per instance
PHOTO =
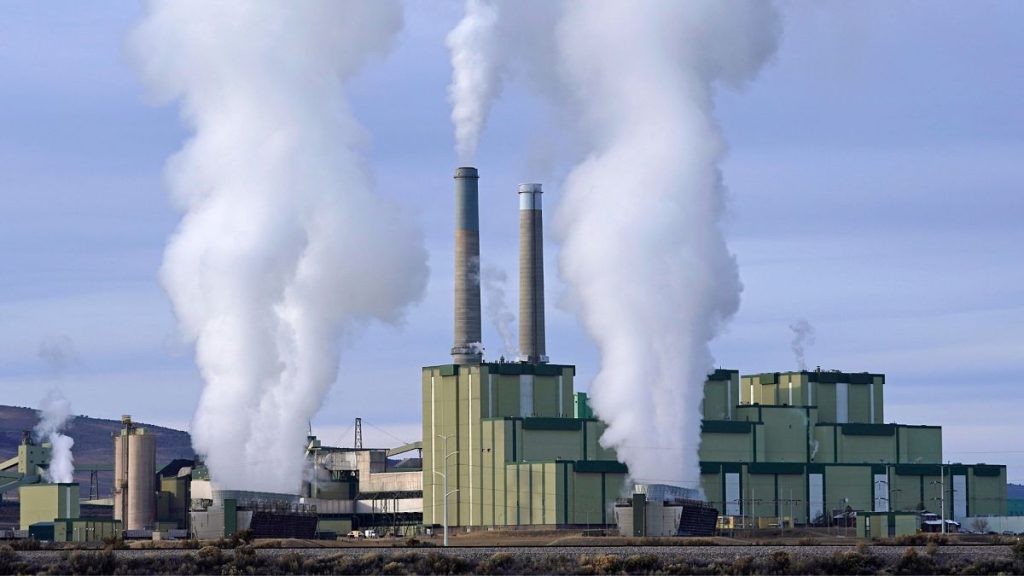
809,447
349,489
512,444
506,443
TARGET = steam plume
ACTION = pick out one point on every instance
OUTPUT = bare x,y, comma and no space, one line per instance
54,413
642,250
803,335
284,251
493,282
475,80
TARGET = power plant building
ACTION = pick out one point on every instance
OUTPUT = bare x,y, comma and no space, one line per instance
514,450
505,437
809,447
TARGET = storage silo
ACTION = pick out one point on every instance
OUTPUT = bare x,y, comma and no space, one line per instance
134,476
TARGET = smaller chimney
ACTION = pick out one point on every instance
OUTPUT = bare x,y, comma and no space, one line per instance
531,275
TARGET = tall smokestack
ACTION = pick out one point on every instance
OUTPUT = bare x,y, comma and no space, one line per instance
531,275
467,348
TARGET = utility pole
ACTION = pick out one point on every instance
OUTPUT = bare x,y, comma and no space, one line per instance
942,497
444,477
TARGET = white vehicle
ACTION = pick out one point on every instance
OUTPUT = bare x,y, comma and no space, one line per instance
370,533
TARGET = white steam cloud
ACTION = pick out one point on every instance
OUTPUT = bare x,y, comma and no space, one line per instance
54,414
476,80
284,251
639,221
494,281
803,335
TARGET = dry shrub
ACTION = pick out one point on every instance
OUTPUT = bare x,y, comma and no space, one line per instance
913,563
500,563
681,567
209,559
444,564
290,563
26,544
641,564
607,564
394,568
8,560
988,567
779,563
91,562
840,563
245,558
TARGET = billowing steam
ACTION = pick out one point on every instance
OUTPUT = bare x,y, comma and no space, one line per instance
54,414
642,249
803,335
476,80
493,281
284,251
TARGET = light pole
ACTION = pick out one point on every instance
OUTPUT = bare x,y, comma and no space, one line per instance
444,476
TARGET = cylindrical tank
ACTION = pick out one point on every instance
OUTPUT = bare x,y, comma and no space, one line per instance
467,347
531,274
134,477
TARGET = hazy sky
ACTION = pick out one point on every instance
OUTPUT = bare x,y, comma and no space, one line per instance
875,186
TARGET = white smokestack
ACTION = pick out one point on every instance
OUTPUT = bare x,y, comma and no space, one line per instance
475,78
803,335
639,221
285,251
54,414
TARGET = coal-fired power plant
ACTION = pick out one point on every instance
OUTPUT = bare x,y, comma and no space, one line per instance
467,348
134,476
531,275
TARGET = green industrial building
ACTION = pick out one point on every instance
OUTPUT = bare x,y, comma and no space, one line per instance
517,454
512,444
807,447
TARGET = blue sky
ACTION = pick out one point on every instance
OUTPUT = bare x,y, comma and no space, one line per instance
875,187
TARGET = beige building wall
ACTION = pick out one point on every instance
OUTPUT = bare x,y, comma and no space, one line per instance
515,449
46,503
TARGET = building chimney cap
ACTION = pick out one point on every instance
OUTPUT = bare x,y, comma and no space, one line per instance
532,187
466,172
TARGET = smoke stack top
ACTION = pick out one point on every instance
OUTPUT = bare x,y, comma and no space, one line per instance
467,347
531,275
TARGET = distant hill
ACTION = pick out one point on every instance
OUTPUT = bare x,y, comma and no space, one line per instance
1015,491
93,441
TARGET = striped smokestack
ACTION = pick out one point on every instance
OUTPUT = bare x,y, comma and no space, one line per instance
467,348
531,275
